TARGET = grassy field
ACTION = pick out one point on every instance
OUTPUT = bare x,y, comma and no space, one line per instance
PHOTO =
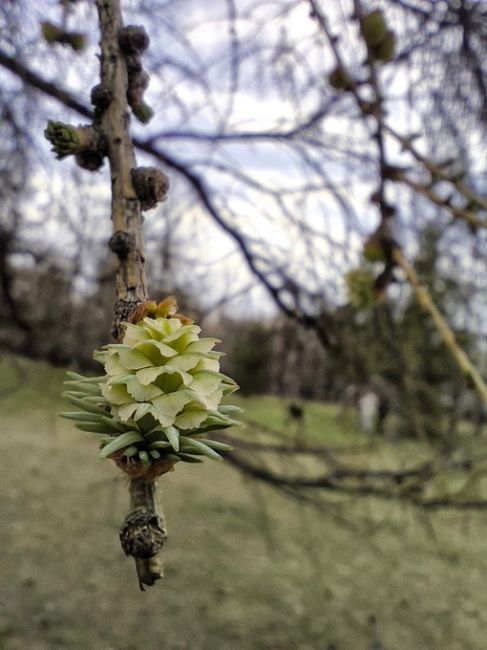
246,569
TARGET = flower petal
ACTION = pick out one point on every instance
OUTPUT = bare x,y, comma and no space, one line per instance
173,403
202,346
205,382
126,411
134,334
133,359
116,394
191,417
157,352
142,393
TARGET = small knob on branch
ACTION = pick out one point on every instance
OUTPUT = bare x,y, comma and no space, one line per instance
133,39
151,186
101,97
142,534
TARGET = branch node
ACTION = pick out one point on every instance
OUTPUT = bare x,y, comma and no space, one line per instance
138,83
101,97
121,243
91,159
133,39
85,143
142,534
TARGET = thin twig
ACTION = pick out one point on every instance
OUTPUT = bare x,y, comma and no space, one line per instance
425,300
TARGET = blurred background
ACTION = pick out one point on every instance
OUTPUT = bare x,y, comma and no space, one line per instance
299,138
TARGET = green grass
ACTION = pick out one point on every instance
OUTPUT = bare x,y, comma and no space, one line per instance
246,569
322,422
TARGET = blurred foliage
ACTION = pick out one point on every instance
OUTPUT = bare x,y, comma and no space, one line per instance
390,347
395,349
251,356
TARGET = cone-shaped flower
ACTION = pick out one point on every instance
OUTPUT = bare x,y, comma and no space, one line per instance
163,374
162,387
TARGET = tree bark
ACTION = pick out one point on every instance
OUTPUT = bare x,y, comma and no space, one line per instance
127,239
126,212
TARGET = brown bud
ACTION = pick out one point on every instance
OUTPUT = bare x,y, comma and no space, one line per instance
133,39
133,63
121,243
139,81
90,159
142,310
142,534
100,97
151,186
137,85
168,306
185,320
341,80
